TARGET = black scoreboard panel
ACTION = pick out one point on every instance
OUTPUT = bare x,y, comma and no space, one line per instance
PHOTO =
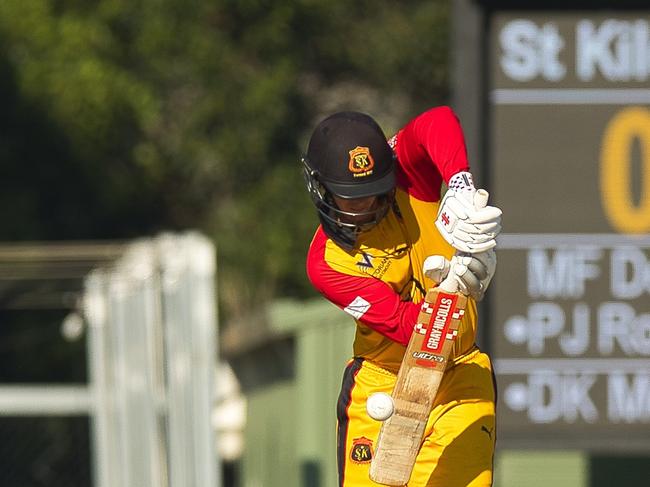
569,150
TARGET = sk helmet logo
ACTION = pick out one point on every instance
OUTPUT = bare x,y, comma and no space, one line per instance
361,162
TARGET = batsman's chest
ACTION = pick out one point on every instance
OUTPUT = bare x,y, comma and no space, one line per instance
393,266
391,256
395,250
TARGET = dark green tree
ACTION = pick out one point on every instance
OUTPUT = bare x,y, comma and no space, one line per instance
122,118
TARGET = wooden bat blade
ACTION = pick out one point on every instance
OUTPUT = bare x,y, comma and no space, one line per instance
416,386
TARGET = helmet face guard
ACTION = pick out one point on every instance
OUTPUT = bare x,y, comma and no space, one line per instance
337,223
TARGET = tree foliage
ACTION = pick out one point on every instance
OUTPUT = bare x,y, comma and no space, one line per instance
126,117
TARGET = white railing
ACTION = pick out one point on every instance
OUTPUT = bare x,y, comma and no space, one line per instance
150,321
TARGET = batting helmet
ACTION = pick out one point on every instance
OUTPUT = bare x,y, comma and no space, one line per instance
348,157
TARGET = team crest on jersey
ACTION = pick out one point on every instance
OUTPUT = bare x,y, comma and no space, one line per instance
361,451
361,162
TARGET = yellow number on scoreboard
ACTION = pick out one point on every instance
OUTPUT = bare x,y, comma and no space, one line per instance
624,214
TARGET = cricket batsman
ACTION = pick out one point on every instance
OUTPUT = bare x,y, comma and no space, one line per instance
384,238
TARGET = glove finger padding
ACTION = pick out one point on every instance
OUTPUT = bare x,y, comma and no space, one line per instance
473,238
473,273
474,247
468,283
478,268
489,260
484,215
466,224
436,268
489,228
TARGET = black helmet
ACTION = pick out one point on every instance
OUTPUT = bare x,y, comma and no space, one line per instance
348,157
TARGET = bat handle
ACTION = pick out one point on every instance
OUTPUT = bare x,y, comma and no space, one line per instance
449,284
481,198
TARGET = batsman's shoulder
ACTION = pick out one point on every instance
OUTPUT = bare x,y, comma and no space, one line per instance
441,114
327,262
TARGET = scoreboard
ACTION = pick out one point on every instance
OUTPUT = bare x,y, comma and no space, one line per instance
568,144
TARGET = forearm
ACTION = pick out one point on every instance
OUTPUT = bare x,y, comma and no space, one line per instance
371,301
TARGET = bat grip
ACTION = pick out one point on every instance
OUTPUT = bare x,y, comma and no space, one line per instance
449,284
481,198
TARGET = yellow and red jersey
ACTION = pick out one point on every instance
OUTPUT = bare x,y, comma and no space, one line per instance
380,282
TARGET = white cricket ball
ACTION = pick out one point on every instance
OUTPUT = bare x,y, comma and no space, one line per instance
380,406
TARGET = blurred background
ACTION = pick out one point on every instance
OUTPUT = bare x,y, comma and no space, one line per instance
156,324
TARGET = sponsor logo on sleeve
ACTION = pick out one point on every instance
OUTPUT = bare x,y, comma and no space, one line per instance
365,262
357,308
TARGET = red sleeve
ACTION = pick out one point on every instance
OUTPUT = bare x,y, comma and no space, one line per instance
430,149
370,300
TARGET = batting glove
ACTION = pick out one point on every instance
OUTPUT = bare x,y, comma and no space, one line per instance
471,274
464,219
436,268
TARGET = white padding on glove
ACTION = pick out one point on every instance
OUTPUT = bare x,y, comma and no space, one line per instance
466,222
436,268
471,274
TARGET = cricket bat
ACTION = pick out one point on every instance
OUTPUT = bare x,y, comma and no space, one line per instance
418,379
417,383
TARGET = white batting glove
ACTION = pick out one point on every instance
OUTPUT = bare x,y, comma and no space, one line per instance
471,274
436,268
464,219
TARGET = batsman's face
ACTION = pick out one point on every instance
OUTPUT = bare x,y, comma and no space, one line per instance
357,210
